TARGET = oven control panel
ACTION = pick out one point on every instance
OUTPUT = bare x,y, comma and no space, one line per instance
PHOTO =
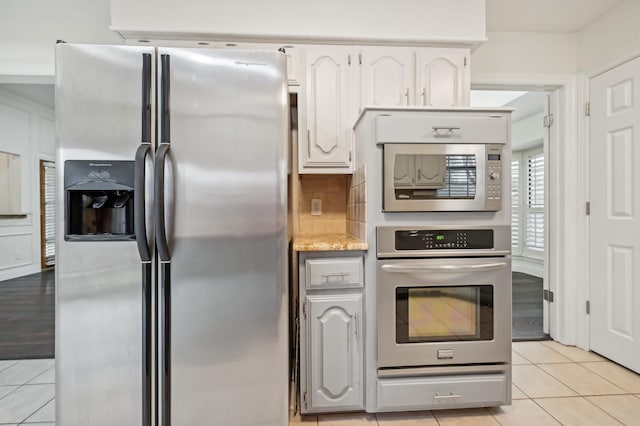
444,239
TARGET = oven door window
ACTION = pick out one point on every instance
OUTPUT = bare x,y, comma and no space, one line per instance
444,314
434,177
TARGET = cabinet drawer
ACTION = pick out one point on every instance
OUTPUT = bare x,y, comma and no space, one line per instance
440,392
443,128
333,273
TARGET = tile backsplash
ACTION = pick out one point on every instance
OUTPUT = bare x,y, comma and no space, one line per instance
357,204
332,190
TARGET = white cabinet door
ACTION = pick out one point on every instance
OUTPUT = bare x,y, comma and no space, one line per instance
430,171
388,76
404,170
442,77
326,146
334,352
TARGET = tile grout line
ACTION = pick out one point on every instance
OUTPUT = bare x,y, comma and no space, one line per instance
606,380
600,375
17,387
31,415
583,397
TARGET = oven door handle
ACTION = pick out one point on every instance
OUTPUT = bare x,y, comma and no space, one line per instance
404,269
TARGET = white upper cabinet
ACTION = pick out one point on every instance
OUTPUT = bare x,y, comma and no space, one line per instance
442,78
327,139
388,76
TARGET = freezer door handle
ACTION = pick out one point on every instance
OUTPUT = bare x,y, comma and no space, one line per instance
159,191
165,113
146,98
139,207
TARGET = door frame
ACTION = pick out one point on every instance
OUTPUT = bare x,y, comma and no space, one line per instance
564,243
584,330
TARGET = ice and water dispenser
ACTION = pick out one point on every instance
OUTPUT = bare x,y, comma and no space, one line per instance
99,200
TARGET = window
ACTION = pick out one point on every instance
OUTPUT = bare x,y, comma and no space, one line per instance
48,207
527,203
515,204
534,207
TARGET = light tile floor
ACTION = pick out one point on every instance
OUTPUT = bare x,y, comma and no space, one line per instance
553,384
27,392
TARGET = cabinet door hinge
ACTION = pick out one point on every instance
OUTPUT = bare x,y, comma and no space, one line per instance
548,120
304,310
465,61
349,155
304,399
588,307
359,58
587,109
547,295
587,208
349,59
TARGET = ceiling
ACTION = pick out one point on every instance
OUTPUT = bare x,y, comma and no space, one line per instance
40,93
559,16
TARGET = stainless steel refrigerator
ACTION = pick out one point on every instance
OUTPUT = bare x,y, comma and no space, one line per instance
171,274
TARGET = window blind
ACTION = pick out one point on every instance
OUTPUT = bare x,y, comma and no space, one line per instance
48,170
535,202
515,205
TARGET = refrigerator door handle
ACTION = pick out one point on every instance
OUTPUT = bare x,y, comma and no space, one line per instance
162,244
165,84
140,227
140,222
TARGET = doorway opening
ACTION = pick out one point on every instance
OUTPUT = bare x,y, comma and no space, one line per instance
530,135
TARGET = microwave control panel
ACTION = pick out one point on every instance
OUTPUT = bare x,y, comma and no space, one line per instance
444,239
494,177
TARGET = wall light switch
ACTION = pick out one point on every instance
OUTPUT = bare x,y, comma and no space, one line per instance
316,207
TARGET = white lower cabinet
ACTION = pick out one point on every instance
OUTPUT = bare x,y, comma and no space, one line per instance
331,335
334,345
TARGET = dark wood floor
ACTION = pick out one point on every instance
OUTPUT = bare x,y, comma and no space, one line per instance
527,308
27,316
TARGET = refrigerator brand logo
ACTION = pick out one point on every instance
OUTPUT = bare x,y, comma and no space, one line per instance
250,63
103,174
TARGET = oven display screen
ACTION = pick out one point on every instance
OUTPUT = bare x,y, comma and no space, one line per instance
444,314
444,240
493,157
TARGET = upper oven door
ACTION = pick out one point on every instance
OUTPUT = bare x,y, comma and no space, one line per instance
442,177
444,311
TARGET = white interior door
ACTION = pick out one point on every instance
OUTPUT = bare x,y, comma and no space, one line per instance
615,214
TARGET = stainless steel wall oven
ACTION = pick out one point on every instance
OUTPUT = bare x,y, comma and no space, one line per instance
444,296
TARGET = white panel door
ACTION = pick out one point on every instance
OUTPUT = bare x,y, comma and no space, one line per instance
335,352
614,268
387,76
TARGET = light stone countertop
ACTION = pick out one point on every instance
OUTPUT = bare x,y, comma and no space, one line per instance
328,242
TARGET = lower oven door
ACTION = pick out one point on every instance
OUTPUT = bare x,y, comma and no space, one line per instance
444,311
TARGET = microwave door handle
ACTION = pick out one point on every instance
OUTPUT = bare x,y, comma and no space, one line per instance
421,267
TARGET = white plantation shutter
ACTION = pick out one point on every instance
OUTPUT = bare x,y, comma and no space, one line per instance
515,205
461,177
48,170
535,202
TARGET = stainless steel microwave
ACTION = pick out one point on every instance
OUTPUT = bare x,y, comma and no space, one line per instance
428,177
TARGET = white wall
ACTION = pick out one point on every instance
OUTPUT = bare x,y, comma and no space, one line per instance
29,30
406,20
26,129
613,37
510,57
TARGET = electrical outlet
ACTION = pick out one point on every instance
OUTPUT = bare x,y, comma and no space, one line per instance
316,207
